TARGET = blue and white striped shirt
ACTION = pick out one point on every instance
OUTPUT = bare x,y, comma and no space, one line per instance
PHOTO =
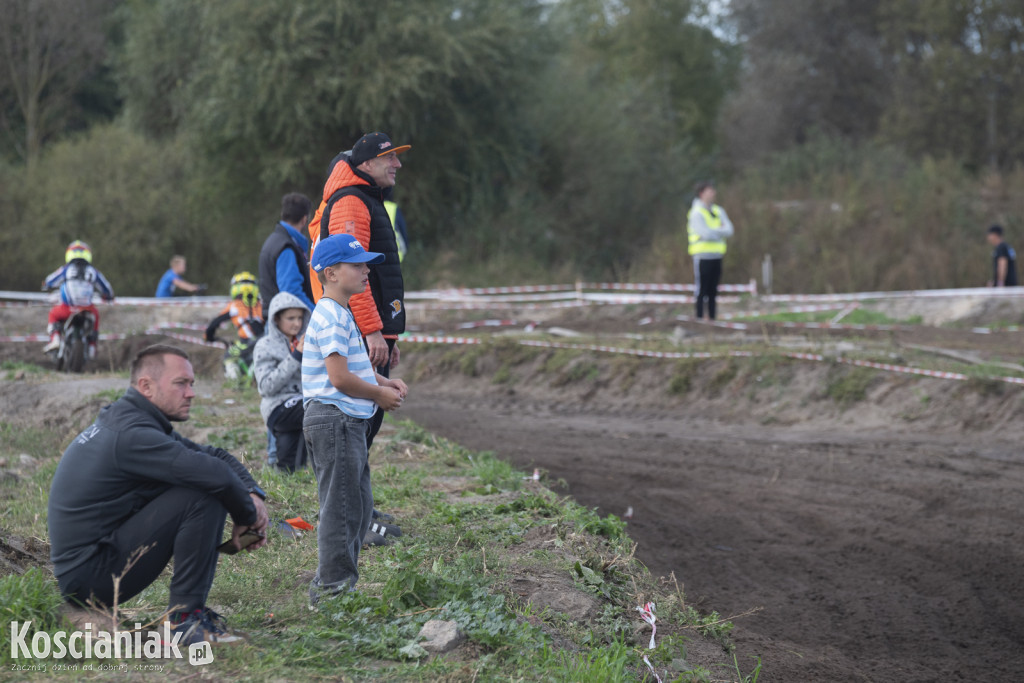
332,329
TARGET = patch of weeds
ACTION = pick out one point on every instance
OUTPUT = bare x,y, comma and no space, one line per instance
14,368
109,396
723,376
233,440
503,375
611,527
410,431
32,596
681,380
496,472
711,625
533,503
37,442
608,663
848,386
584,370
558,360
752,676
986,386
469,355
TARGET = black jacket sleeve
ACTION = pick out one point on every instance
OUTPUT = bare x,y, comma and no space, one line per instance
172,459
211,329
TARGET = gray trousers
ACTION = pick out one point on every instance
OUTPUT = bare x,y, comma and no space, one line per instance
336,446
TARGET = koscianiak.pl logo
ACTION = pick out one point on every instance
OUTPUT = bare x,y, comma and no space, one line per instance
42,651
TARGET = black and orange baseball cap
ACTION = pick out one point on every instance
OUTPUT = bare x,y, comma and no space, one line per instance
374,145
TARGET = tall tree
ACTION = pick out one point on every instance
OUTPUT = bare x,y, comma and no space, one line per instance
809,65
960,78
50,49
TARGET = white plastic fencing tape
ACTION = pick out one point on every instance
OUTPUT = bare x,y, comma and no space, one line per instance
486,323
749,288
1010,292
647,614
39,298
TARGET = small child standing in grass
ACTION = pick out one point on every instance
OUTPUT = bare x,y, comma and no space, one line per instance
341,391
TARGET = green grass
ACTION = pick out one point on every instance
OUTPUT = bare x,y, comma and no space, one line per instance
471,527
859,316
848,385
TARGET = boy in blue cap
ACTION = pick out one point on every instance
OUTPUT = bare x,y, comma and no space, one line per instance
341,391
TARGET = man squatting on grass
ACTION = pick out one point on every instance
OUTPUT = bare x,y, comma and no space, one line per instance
130,482
341,391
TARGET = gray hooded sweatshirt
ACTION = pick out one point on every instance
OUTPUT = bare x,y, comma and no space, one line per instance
278,369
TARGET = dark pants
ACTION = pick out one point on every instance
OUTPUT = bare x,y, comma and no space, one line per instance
378,418
181,523
286,426
337,451
708,273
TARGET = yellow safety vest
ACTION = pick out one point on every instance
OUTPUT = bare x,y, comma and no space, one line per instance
392,209
713,221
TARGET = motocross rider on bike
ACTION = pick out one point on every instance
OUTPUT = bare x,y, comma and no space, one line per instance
78,280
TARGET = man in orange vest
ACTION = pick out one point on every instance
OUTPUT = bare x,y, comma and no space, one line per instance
358,183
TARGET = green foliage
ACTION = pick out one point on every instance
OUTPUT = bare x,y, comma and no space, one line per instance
32,596
682,377
849,385
132,199
608,663
498,473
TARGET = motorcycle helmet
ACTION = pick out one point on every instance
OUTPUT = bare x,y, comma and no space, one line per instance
78,249
244,285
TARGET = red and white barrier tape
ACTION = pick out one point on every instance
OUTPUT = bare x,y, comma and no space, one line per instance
647,614
749,288
681,355
988,292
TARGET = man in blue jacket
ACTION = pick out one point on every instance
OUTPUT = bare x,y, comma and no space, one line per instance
130,494
284,264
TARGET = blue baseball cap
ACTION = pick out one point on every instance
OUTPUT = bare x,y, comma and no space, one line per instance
342,249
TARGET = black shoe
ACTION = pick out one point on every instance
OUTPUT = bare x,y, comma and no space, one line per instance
386,530
372,538
205,625
377,514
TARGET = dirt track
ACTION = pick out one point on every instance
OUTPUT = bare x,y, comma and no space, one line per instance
876,556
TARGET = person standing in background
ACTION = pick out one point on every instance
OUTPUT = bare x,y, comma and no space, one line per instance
708,228
1004,259
284,264
398,223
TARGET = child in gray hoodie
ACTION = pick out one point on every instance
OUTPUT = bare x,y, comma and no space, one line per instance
277,361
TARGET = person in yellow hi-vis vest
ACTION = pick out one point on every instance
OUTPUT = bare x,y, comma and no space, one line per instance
708,228
398,224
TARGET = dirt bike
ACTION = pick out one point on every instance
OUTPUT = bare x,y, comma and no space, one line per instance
75,335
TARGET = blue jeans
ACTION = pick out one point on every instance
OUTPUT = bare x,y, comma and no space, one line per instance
336,445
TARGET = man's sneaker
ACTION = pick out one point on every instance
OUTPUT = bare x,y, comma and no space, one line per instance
373,538
53,345
386,530
377,514
205,625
